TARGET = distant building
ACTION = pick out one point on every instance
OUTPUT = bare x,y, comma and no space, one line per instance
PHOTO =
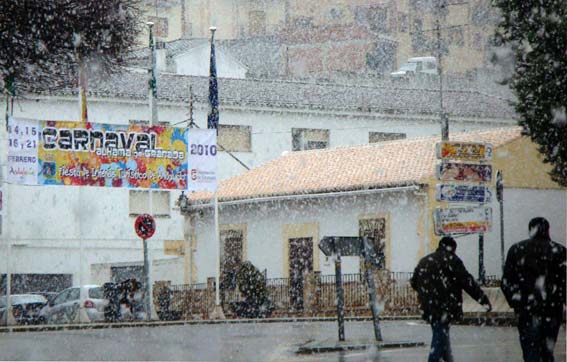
340,39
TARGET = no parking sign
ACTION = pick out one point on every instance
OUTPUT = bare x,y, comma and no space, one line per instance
145,226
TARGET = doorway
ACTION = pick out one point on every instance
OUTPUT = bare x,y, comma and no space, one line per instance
300,263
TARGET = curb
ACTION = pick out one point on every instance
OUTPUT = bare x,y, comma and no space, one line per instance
469,319
64,327
337,346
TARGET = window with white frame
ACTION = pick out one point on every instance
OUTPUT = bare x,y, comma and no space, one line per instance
375,137
235,138
139,203
309,139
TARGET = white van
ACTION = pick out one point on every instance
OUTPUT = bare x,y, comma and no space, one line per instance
419,65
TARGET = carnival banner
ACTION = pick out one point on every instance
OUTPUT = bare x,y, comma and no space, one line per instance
22,151
202,160
90,154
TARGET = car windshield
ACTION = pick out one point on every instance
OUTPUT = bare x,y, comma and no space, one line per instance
23,299
96,293
411,66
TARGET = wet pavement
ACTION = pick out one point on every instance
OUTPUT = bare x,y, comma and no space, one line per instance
258,342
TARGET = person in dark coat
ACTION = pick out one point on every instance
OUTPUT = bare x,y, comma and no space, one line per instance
439,279
534,286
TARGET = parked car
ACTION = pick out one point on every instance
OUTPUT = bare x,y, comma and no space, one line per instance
415,66
48,295
64,308
25,308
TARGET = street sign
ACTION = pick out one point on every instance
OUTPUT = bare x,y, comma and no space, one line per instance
462,220
453,171
464,151
145,226
343,245
463,193
352,246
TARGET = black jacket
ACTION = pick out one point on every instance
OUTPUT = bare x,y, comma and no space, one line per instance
439,279
534,277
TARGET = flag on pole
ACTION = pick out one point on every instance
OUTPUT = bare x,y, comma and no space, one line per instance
213,116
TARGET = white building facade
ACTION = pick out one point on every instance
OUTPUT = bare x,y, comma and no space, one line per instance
72,231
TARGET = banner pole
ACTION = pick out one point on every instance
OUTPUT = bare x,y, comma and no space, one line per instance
217,240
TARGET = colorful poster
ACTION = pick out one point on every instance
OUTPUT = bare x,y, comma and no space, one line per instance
464,151
91,154
453,171
22,151
202,160
462,220
463,193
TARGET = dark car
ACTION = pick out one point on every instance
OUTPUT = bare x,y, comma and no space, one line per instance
25,308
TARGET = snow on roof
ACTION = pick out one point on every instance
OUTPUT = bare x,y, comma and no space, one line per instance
374,166
305,95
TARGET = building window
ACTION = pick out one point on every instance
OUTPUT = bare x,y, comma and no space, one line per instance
257,21
232,255
160,28
139,203
309,139
403,22
456,37
375,137
235,138
378,19
376,228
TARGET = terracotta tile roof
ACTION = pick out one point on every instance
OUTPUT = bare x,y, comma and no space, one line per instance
373,166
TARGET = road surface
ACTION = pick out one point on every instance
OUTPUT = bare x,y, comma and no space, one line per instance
258,342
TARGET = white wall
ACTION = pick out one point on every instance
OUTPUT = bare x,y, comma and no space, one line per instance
48,221
520,206
337,216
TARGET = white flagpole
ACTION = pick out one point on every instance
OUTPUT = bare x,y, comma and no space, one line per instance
217,240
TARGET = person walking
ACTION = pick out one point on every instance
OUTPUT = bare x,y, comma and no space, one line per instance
534,286
439,279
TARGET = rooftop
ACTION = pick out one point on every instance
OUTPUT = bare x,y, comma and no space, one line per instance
374,166
279,94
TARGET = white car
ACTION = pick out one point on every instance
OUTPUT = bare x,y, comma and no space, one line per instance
418,65
64,308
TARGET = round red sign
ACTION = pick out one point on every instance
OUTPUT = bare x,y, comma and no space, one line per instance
145,226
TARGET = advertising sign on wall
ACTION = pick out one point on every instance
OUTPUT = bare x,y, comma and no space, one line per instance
453,171
463,193
462,220
22,151
464,151
89,154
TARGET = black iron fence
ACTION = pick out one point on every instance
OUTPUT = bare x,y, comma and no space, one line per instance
317,296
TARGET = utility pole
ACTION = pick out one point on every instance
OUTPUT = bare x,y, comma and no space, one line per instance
443,117
500,198
148,297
